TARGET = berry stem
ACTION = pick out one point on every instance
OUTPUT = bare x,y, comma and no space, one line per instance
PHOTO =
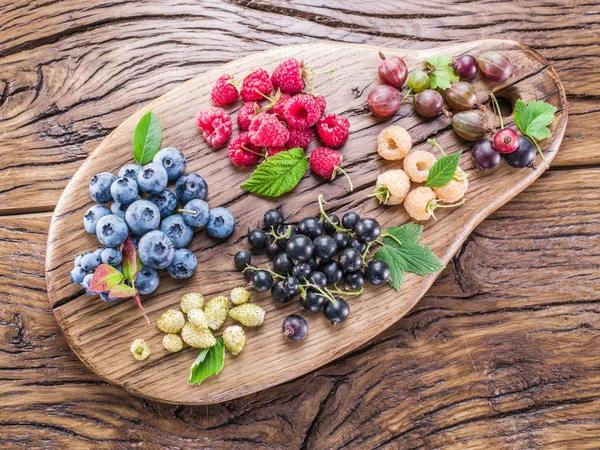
138,302
539,150
434,204
348,177
268,269
326,217
436,145
276,237
497,109
324,292
383,192
342,292
409,93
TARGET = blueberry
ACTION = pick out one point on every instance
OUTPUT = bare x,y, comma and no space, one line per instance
299,247
327,225
350,259
337,312
77,261
333,271
313,301
77,275
156,250
98,252
147,281
258,239
100,187
183,265
152,178
121,208
86,283
262,280
180,232
377,272
124,190
89,262
142,216
111,230
166,201
92,216
318,278
104,296
130,171
283,264
367,229
111,256
242,259
354,280
301,271
273,218
190,186
341,240
349,220
280,293
324,247
311,227
172,160
220,223
200,215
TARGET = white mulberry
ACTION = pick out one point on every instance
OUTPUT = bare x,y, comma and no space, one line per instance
234,339
239,295
140,349
248,314
393,143
197,317
216,311
171,321
417,165
172,342
194,337
191,300
392,186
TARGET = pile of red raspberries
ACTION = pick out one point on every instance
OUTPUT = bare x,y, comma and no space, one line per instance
276,116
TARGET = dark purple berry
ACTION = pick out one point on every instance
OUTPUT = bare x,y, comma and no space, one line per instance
338,311
295,327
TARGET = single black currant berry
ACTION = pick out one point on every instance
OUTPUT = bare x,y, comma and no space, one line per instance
338,311
295,327
367,229
357,245
324,247
248,273
291,285
284,230
273,249
313,301
312,262
349,220
350,259
299,247
273,218
327,225
258,239
377,272
333,271
311,227
280,293
283,264
341,240
301,271
262,280
318,278
354,280
242,259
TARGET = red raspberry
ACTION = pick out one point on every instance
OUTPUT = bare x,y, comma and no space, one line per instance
242,152
224,92
279,105
299,138
255,85
301,111
246,113
274,150
287,76
322,101
215,124
333,130
326,161
267,131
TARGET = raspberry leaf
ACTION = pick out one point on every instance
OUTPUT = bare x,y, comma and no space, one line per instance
105,278
130,260
278,174
146,138
122,291
443,170
533,118
441,73
409,232
210,361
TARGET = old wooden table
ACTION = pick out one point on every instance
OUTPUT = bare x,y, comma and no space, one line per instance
503,351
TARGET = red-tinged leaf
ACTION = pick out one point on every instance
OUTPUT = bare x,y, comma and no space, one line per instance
122,291
129,264
138,302
105,278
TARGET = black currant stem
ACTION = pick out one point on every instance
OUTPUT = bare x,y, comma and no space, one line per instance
324,292
436,145
539,150
191,211
276,237
497,108
348,177
268,269
326,217
342,292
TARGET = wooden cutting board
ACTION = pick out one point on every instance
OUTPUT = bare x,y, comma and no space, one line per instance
101,333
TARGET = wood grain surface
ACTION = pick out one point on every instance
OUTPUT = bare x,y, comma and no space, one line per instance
502,352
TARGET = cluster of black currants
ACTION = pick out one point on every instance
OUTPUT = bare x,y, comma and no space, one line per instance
313,258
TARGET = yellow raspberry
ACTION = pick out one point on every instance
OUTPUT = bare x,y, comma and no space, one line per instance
417,165
391,187
197,317
393,143
239,295
248,314
454,190
172,342
191,301
140,349
234,339
171,321
194,337
216,311
417,202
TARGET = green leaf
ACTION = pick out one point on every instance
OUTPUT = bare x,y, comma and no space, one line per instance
278,174
408,255
443,170
122,291
534,118
130,258
209,362
147,138
105,278
442,74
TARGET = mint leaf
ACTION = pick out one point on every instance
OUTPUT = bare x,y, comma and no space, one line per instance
278,174
443,170
442,74
147,138
534,118
408,255
209,362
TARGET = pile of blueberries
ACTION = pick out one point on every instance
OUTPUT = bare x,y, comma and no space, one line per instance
156,229
313,259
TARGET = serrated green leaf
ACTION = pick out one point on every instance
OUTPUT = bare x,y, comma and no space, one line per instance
409,232
146,138
442,74
210,361
534,118
278,174
443,170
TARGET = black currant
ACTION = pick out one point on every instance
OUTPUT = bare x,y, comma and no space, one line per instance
283,264
248,273
377,272
327,225
354,280
367,229
333,271
291,285
313,301
312,262
280,293
311,227
242,259
349,220
258,239
301,271
341,240
299,247
282,231
273,249
350,259
324,247
318,278
337,311
273,218
295,327
262,280
357,244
